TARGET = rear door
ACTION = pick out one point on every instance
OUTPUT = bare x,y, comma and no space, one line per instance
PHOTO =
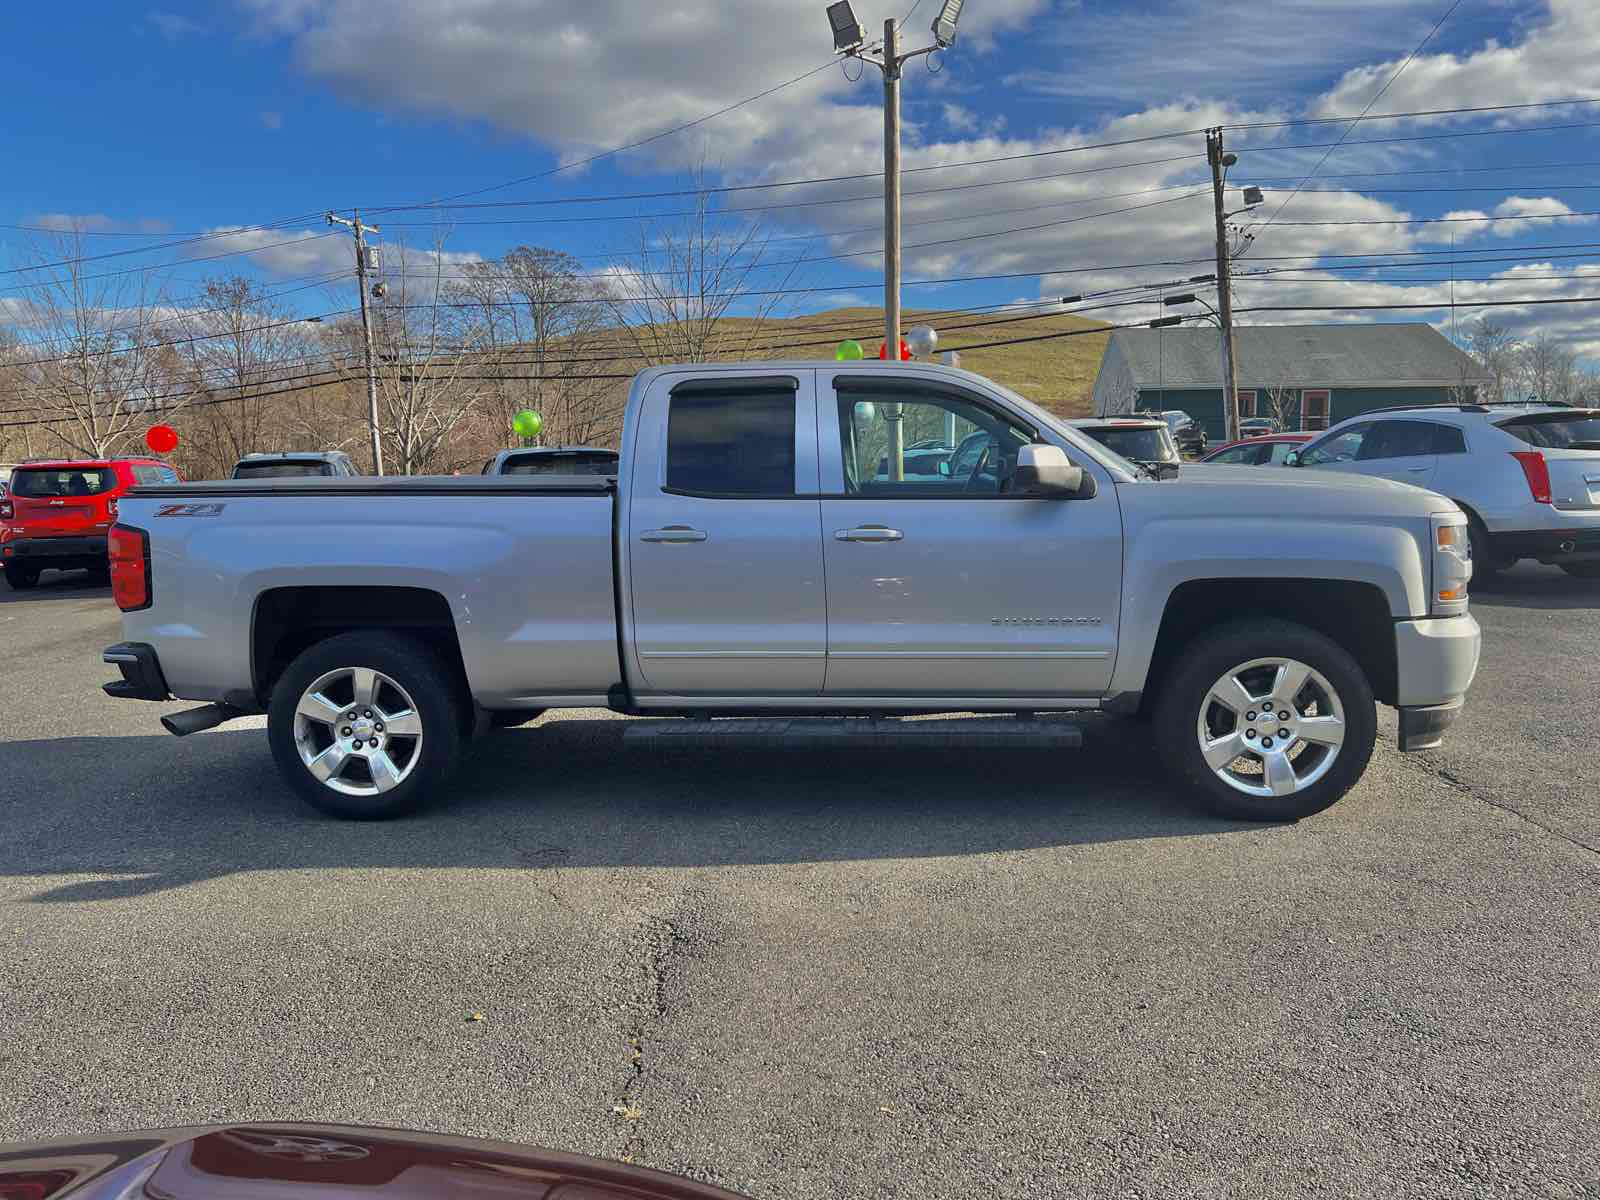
722,537
944,585
60,501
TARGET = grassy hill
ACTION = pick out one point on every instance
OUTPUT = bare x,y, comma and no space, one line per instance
1058,373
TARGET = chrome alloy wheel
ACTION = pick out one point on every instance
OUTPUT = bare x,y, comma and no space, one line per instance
1271,727
358,731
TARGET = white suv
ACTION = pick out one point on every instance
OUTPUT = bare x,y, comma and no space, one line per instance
1527,475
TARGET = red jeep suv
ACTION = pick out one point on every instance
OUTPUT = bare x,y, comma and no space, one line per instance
58,512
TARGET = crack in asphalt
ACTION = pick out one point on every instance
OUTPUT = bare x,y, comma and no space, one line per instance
1472,790
657,943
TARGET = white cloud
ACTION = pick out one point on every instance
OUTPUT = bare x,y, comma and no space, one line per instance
171,25
270,120
280,251
97,223
1553,60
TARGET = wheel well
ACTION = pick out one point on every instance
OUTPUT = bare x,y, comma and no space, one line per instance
1356,615
288,620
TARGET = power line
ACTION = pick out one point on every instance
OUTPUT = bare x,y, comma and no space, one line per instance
1423,112
1351,128
187,241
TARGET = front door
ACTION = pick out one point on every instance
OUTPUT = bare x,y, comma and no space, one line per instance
1404,451
940,583
723,544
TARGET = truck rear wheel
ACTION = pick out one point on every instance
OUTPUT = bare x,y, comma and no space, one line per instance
21,578
1268,720
366,726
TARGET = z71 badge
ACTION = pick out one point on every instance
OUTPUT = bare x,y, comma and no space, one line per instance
190,510
1044,620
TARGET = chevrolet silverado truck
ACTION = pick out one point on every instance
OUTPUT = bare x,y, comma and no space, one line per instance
753,558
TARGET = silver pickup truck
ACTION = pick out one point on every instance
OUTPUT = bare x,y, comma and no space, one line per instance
788,541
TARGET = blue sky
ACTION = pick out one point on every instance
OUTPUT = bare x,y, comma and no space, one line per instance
190,118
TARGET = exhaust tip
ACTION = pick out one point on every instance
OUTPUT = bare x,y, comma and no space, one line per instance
193,720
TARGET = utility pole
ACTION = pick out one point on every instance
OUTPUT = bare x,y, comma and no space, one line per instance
361,231
891,194
1230,383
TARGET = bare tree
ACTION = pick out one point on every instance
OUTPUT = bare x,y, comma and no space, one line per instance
544,334
676,305
95,363
1544,369
430,370
229,355
1282,403
1496,350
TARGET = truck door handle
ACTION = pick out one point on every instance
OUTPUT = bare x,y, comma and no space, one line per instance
869,533
1414,470
673,533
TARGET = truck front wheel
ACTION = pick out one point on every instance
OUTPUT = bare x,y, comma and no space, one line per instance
366,726
1268,720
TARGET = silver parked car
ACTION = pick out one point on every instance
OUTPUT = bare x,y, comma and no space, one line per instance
1527,475
295,464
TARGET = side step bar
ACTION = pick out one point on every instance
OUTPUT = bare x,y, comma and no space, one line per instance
869,732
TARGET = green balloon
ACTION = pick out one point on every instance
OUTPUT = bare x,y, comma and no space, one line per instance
527,423
849,352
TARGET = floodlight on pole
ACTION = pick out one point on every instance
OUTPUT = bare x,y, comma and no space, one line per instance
944,25
847,31
1253,197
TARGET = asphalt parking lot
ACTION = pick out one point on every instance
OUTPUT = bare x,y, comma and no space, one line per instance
870,974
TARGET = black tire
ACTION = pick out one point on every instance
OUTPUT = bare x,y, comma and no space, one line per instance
435,690
510,718
21,578
1179,707
1582,570
1486,560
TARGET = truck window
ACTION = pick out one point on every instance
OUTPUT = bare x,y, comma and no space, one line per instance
949,446
732,442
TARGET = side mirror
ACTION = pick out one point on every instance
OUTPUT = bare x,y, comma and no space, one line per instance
944,467
1045,471
1292,459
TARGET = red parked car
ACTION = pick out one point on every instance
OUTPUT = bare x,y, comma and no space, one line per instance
58,512
1263,450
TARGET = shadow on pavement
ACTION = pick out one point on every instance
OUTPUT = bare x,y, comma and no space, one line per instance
56,585
159,813
1533,585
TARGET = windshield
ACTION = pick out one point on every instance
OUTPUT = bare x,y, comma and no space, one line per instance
282,470
1138,445
1557,431
58,481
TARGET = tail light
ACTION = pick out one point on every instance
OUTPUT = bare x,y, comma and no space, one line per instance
1538,473
129,551
7,513
111,508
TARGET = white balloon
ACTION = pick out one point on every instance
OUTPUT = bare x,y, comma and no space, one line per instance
922,340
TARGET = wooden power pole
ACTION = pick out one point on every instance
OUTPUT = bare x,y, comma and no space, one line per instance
361,230
1230,380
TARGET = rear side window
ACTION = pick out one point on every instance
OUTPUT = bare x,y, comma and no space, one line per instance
562,464
1557,431
70,481
143,473
732,441
1447,439
1398,439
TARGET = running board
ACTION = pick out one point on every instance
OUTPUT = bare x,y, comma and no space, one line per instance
806,732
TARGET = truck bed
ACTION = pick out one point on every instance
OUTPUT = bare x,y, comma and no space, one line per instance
523,566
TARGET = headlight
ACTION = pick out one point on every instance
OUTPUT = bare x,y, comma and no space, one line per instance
1452,564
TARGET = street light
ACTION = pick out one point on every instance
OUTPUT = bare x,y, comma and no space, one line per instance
847,31
944,25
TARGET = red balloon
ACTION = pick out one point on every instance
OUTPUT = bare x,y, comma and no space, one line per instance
162,439
905,351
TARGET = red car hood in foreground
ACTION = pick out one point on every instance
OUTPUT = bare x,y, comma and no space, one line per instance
326,1162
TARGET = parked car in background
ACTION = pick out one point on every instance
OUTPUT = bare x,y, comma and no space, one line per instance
1189,434
1268,450
749,561
295,464
1251,427
1147,441
1527,475
57,513
553,460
